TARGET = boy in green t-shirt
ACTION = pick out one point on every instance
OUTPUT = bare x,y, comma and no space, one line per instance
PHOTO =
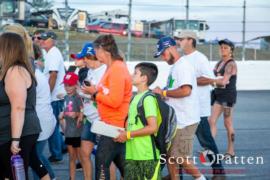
140,161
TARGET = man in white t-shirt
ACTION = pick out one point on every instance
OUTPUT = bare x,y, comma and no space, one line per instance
181,94
186,40
54,70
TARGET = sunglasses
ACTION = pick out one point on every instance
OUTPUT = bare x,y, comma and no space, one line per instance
36,37
179,39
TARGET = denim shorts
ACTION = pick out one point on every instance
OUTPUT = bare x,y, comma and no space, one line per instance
87,135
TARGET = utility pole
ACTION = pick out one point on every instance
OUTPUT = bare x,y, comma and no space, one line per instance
66,32
129,30
244,33
187,14
149,29
21,9
173,26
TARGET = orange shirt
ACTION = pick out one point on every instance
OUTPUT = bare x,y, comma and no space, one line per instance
114,94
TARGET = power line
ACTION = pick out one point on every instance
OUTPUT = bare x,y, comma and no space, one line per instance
163,5
231,31
250,22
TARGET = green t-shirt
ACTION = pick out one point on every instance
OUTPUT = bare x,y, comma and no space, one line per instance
140,148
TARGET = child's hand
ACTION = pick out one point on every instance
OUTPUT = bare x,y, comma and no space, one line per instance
79,123
79,120
122,137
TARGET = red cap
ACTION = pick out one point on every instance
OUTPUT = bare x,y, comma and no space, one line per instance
71,79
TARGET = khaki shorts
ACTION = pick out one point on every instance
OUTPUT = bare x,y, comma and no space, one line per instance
182,144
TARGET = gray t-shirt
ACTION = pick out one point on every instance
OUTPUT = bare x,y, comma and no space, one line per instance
72,104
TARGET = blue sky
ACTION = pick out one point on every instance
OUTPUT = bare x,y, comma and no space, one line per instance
225,15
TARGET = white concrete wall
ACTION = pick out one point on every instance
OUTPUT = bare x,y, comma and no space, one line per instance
252,75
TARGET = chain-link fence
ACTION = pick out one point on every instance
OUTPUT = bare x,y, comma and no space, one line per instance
143,49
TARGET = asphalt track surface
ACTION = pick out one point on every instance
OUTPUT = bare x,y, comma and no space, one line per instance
252,141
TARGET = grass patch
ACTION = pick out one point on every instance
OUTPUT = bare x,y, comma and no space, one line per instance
144,48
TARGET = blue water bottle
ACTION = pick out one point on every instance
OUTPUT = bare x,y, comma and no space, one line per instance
17,167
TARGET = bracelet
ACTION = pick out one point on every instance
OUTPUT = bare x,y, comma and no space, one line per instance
15,139
128,135
164,93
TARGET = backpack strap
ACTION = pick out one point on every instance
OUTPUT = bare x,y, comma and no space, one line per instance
141,116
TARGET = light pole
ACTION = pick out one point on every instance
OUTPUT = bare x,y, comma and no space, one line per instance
187,14
244,33
66,32
129,30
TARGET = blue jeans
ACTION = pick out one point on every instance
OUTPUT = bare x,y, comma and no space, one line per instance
56,142
40,145
207,141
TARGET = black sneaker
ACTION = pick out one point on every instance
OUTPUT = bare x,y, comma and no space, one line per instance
54,160
78,167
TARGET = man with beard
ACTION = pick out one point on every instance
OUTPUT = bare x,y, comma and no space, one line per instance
181,94
187,41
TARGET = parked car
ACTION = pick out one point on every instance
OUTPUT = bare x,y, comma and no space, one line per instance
39,21
113,28
137,33
93,27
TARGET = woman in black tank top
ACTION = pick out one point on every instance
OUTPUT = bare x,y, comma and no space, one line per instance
19,124
224,95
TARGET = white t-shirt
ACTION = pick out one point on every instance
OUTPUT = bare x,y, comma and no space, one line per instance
186,108
202,69
43,106
90,109
44,52
54,62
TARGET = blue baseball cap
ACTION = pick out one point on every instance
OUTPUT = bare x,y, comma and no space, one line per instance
163,44
88,49
227,42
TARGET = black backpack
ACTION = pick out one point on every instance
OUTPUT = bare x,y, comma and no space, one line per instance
167,128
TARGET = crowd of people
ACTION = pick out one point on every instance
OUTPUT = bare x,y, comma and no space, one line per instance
41,102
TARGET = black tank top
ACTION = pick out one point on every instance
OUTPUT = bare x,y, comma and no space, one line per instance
229,93
31,123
